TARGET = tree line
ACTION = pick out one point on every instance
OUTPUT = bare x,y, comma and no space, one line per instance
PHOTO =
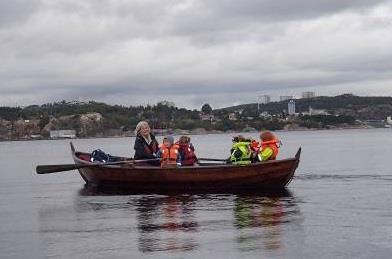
340,110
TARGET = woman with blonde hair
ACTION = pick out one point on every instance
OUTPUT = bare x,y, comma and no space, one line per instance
146,146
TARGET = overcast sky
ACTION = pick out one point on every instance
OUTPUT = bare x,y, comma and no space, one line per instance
221,52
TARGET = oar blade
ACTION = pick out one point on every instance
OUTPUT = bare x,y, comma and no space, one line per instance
47,169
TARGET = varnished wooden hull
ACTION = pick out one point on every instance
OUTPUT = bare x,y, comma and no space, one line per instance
257,176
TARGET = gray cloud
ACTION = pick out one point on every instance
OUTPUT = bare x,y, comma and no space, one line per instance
269,10
191,52
13,13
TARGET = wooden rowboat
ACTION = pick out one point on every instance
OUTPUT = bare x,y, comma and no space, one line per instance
207,177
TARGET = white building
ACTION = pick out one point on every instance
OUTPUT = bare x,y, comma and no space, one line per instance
232,116
308,94
291,107
312,111
62,134
207,117
264,99
265,114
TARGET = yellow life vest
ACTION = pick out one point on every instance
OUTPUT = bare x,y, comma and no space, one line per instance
241,153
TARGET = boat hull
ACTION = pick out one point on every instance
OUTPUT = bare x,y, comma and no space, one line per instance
264,175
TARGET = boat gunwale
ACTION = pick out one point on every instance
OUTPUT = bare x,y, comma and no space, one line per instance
181,168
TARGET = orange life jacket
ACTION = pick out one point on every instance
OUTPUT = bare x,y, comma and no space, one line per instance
274,145
254,145
169,155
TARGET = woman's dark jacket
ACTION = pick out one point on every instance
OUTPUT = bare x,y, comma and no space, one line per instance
144,150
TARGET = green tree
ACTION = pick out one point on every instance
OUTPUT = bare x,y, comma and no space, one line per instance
206,109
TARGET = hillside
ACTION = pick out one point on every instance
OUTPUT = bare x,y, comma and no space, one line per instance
93,119
361,108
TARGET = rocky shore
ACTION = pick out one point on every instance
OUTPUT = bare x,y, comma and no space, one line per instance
90,125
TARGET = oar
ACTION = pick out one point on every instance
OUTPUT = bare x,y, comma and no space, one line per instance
47,169
211,159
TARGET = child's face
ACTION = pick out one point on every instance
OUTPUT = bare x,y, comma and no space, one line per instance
166,143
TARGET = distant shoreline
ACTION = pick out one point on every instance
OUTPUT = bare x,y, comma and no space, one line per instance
206,133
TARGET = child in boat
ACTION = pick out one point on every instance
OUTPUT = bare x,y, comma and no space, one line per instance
269,148
169,153
164,143
186,151
240,151
254,148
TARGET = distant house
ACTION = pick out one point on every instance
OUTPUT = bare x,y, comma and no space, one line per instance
206,117
317,111
265,115
55,134
312,111
232,116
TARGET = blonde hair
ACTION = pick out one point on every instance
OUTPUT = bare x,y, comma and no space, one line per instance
140,125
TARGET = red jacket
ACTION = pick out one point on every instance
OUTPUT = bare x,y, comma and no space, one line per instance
187,154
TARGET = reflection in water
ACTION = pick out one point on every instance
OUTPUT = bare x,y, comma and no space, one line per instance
259,219
172,222
165,223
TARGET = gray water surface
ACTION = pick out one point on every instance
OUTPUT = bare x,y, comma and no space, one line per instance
338,205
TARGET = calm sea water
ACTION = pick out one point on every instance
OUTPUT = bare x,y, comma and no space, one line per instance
338,205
